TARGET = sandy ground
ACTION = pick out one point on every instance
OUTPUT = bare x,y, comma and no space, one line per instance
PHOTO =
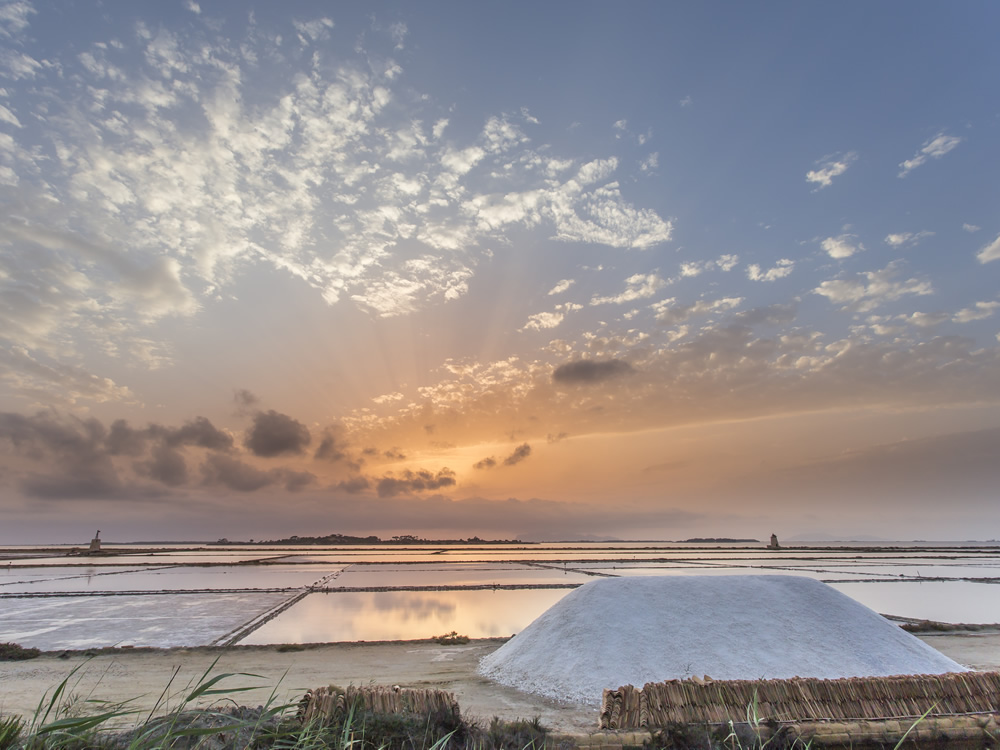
143,676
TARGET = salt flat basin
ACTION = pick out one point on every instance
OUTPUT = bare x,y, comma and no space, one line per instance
620,631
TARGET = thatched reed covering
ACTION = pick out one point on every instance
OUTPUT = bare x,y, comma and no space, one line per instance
800,699
325,703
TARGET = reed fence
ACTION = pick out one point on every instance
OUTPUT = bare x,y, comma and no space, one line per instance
709,701
325,703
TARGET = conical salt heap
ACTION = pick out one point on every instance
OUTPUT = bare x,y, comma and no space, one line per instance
620,631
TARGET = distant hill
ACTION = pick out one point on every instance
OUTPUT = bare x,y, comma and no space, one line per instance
345,539
819,536
718,540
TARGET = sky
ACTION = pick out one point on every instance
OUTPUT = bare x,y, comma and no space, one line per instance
570,270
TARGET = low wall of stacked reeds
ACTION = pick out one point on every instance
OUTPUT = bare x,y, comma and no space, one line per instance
800,699
325,703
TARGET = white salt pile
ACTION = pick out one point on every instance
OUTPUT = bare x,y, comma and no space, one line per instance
621,631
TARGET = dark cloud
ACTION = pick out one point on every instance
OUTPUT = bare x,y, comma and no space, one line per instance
245,401
97,481
415,481
486,463
123,440
274,434
556,438
395,454
520,453
75,458
78,464
199,432
232,473
328,449
167,466
354,485
591,370
295,481
222,470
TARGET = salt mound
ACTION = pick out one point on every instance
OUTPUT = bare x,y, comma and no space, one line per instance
621,631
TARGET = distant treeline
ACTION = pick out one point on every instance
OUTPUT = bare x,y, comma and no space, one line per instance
719,540
339,539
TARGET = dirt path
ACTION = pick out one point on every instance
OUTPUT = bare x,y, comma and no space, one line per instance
142,676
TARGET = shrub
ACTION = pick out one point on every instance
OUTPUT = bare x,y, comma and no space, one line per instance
17,652
451,639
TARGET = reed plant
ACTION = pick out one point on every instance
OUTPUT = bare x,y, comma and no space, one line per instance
63,720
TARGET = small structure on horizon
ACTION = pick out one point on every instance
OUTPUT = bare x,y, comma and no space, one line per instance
774,542
95,544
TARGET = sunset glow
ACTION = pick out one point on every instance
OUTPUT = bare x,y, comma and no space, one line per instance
556,271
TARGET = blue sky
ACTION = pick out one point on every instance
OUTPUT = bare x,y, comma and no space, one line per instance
455,269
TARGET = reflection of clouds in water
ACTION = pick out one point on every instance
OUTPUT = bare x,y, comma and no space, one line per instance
406,607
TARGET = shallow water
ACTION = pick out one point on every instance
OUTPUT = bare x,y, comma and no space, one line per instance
82,622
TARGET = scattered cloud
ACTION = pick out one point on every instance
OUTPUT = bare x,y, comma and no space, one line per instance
650,163
989,252
334,188
520,453
925,320
638,286
562,286
542,320
313,31
409,481
866,291
783,268
979,311
591,371
970,228
697,267
15,17
670,313
906,238
841,247
829,167
934,148
486,463
55,382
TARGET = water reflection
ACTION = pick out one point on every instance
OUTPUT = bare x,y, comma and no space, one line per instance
942,601
405,615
